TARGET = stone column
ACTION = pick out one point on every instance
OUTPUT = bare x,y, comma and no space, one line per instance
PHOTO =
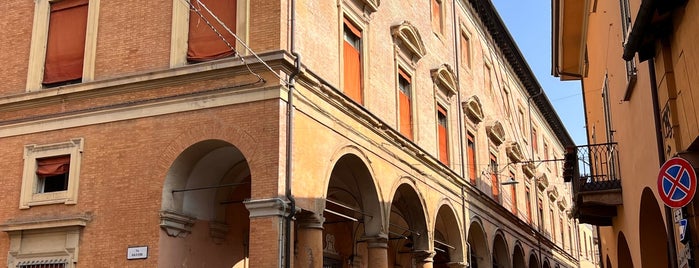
457,265
378,251
309,247
424,258
267,231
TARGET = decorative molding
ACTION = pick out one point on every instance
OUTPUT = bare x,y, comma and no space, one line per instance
175,223
330,244
496,132
30,195
424,256
514,152
34,224
473,109
266,207
444,78
529,170
553,193
371,5
407,35
562,204
543,182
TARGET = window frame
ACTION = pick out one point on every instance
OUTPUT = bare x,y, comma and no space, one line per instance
465,35
472,161
403,74
180,31
494,180
361,26
441,109
441,23
39,42
29,196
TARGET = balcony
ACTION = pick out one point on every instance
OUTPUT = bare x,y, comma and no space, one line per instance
596,183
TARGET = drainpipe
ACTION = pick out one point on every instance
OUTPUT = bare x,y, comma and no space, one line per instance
289,138
457,62
671,250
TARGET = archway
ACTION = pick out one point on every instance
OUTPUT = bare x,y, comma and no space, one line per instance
546,263
448,242
518,257
408,236
651,232
623,255
478,247
533,261
352,212
203,219
501,255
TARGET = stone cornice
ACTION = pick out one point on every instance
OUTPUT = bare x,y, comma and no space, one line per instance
45,223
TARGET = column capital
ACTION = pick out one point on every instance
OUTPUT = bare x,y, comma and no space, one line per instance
457,265
267,207
309,220
424,255
378,241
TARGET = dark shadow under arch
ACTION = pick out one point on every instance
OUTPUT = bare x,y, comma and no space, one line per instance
653,238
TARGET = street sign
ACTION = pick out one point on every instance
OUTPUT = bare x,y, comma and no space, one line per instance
677,182
135,253
683,230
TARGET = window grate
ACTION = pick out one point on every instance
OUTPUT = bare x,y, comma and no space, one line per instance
49,263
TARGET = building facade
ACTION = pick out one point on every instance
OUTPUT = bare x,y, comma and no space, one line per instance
636,62
351,133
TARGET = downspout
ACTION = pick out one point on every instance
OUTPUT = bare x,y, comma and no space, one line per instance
289,138
457,38
671,250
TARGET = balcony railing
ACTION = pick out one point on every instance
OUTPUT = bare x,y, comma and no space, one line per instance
597,183
598,167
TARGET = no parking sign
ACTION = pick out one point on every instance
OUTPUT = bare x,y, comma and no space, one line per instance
677,182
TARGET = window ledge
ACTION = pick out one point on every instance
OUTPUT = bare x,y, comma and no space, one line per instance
22,225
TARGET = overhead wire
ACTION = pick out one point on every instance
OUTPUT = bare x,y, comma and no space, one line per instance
238,40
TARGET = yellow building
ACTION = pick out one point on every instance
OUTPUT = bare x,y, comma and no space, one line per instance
267,133
636,61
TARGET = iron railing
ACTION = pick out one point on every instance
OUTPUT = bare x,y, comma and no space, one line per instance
598,166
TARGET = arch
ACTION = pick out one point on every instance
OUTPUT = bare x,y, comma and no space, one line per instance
202,206
473,109
448,241
444,78
518,256
533,260
501,253
407,35
652,240
352,209
407,226
623,254
546,263
478,245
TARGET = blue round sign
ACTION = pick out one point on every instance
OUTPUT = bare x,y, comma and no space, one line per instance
677,182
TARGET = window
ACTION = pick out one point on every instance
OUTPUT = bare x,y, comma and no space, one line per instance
465,49
442,135
494,181
528,197
546,153
437,18
209,39
352,61
540,205
193,40
513,194
535,141
51,173
522,120
46,243
405,104
488,81
471,148
63,43
560,223
553,225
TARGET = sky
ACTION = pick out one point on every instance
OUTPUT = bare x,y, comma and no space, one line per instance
529,23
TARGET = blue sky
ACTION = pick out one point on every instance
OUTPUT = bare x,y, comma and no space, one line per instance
529,22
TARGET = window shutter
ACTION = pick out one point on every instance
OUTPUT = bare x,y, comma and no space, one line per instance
352,72
65,47
471,159
442,133
203,43
52,166
406,124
